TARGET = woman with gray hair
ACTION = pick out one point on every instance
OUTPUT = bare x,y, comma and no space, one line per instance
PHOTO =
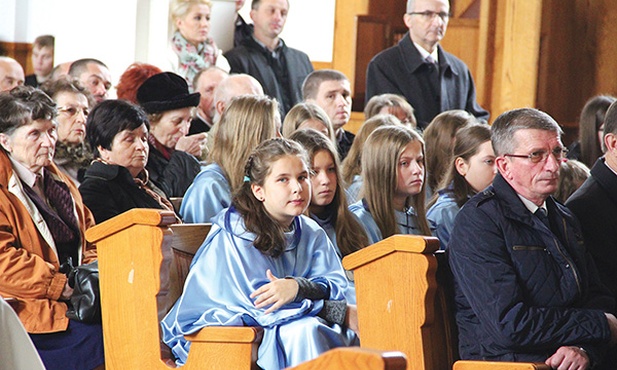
42,227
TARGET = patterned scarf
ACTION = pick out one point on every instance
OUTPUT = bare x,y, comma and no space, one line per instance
193,59
75,156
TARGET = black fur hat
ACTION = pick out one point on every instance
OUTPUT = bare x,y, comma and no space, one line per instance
164,92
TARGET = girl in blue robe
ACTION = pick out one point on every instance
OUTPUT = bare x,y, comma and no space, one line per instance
393,187
472,168
246,122
265,264
328,204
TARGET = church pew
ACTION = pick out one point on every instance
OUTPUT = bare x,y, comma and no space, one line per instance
403,304
139,253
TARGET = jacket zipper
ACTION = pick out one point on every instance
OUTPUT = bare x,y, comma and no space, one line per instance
572,266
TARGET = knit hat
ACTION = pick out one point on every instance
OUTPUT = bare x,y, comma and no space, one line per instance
164,92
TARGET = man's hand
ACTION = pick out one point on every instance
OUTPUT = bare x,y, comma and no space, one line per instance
193,144
568,358
278,292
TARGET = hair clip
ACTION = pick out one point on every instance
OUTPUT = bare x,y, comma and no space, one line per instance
247,179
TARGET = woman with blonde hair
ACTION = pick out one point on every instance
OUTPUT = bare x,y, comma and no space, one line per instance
308,115
393,187
192,47
247,121
439,138
351,168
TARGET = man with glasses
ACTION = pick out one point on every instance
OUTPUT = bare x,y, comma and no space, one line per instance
525,286
432,80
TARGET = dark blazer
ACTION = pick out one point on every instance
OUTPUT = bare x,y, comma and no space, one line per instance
522,290
109,190
595,206
401,70
173,176
253,59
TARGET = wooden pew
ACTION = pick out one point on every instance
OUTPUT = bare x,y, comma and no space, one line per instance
135,252
403,305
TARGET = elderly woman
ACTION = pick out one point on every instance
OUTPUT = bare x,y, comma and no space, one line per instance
172,162
117,180
193,49
73,101
42,226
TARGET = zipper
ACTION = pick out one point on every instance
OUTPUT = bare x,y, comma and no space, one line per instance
572,266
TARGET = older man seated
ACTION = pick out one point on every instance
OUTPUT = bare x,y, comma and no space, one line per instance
42,226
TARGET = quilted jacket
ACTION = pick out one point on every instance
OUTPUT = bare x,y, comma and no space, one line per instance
522,290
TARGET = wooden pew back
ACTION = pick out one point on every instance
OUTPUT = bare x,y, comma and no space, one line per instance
403,304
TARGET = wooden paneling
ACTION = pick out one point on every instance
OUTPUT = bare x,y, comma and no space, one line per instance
21,52
462,40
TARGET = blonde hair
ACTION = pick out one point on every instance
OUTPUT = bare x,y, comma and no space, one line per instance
180,8
348,238
303,112
247,121
381,155
352,164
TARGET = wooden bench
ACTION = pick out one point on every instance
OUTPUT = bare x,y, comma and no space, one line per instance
136,260
403,305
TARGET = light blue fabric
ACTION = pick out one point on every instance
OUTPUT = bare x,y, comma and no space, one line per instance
207,196
406,222
227,269
442,215
353,190
328,227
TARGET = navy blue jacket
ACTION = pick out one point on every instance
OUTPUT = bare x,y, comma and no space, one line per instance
522,290
401,70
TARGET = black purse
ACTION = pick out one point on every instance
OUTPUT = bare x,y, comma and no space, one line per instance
85,303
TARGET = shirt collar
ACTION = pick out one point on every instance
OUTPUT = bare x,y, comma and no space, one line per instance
24,174
274,52
531,206
425,54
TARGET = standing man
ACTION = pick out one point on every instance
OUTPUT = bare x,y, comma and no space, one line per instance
11,74
278,68
595,205
525,286
432,80
331,90
42,60
205,83
93,75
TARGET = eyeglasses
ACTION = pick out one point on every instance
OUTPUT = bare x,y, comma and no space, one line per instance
542,155
428,15
73,111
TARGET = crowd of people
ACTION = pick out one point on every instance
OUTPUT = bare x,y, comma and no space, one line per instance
253,141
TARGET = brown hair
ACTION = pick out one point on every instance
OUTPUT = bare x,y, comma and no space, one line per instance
592,118
303,112
270,234
378,102
348,238
572,174
439,136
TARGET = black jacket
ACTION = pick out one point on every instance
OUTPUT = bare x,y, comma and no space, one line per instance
174,176
109,190
595,206
522,290
401,70
255,60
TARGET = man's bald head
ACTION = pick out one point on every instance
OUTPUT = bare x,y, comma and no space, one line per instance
232,86
11,74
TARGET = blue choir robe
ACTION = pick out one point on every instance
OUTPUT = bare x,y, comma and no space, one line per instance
406,221
227,269
209,194
442,215
328,227
353,190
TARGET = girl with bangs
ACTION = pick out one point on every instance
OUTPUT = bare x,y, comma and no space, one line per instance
328,205
394,174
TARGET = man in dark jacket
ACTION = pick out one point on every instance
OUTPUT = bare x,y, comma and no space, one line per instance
280,69
526,288
432,80
595,205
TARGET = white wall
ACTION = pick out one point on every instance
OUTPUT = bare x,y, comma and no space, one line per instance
119,32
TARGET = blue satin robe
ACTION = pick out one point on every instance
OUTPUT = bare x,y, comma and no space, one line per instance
209,194
227,269
406,222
